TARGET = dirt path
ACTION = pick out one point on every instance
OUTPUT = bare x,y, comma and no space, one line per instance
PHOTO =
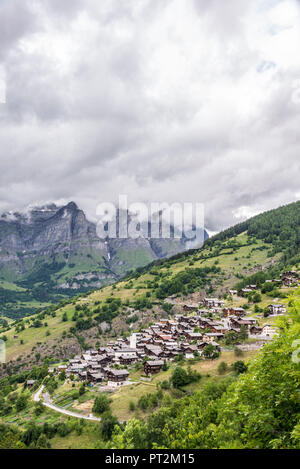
48,403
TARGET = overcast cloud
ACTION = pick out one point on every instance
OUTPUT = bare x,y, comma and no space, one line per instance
172,100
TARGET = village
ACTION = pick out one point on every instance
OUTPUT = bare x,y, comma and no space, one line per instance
187,335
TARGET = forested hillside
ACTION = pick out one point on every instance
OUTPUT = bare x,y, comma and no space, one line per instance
259,410
280,228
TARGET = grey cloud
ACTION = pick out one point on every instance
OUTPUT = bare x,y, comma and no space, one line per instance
149,99
16,20
33,90
64,7
225,18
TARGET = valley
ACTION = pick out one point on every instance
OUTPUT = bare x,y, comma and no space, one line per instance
207,320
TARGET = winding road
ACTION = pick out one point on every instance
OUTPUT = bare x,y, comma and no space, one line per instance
47,403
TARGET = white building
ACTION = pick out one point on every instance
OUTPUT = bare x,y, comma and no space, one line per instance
277,309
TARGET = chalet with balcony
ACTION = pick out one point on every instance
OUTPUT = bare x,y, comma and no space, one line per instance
212,336
233,312
117,377
255,330
187,308
153,366
213,303
94,377
192,336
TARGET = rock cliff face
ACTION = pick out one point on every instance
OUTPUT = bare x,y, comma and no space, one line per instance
58,248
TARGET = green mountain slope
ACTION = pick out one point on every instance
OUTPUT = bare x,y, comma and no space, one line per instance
280,228
259,410
225,260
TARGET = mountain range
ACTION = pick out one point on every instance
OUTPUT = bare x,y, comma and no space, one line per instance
50,252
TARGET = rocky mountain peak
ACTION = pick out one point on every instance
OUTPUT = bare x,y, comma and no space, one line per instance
58,246
72,206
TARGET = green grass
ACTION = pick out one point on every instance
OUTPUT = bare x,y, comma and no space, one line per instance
87,440
133,259
132,393
11,286
126,394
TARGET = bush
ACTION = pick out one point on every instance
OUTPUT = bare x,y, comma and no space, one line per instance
131,406
63,429
21,403
210,352
165,384
101,404
42,443
38,408
107,425
256,298
239,367
181,378
62,376
165,366
222,368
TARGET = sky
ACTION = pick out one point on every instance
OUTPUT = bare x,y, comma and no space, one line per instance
164,101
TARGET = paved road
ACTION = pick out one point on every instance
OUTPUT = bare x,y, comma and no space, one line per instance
37,395
47,403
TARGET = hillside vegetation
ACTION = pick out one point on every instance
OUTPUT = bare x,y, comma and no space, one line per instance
256,407
280,228
228,402
255,246
64,329
259,410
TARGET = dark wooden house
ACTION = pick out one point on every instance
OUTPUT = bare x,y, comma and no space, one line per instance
152,367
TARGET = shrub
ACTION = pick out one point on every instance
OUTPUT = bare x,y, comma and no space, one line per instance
222,368
131,406
21,403
101,404
211,352
107,425
239,367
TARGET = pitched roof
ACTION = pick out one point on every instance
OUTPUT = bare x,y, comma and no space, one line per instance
119,372
155,363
